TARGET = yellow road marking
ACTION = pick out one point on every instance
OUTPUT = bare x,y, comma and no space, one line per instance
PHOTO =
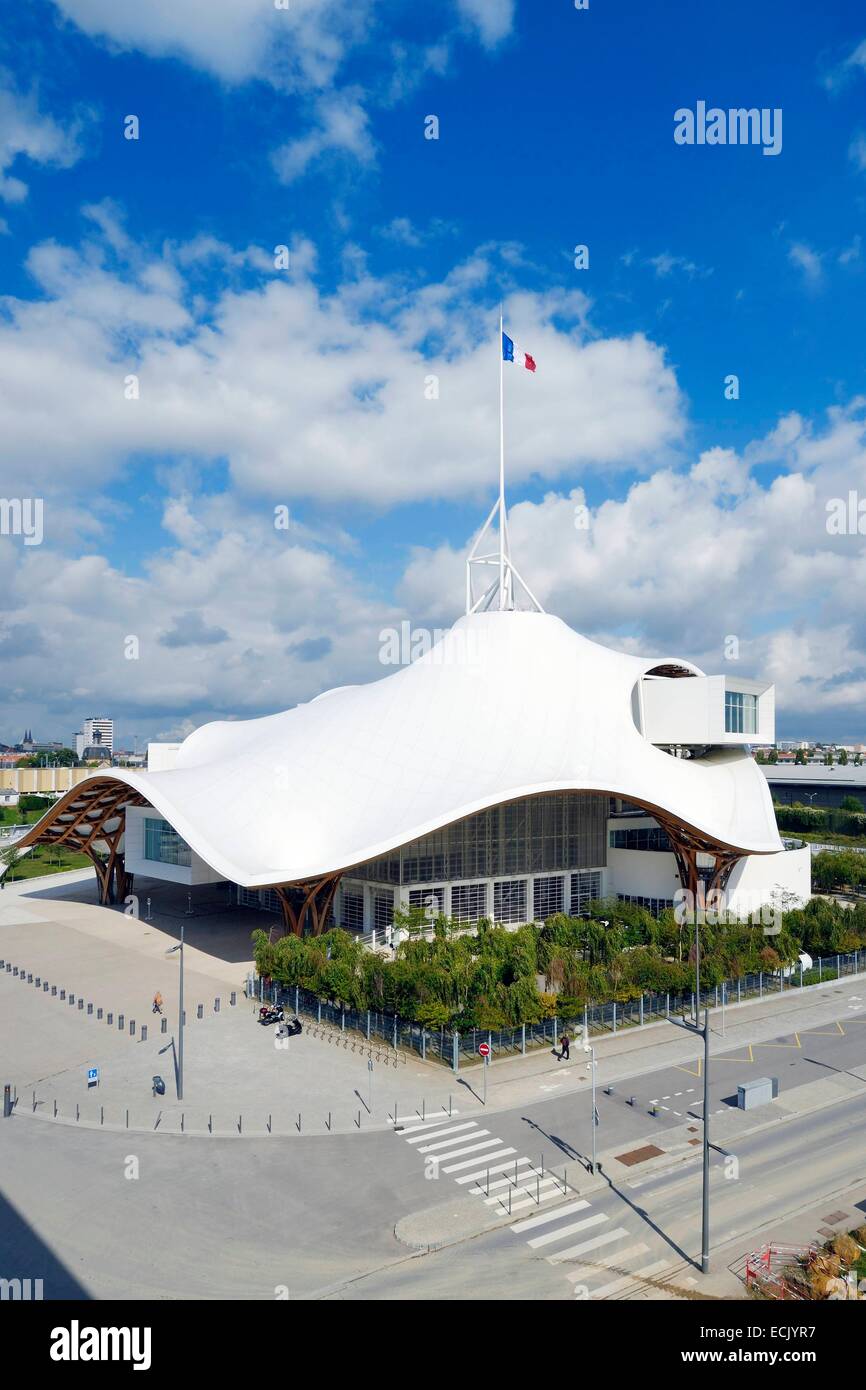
750,1058
793,1044
688,1070
827,1032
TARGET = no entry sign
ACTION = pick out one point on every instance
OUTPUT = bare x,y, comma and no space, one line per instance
484,1049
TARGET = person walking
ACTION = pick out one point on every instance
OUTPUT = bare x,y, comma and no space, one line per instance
564,1045
157,1003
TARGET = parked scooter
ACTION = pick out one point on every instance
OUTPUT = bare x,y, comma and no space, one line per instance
271,1013
290,1028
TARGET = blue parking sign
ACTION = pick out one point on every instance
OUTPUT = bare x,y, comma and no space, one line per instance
93,1076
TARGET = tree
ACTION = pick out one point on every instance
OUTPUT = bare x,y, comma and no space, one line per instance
851,803
843,757
800,757
773,756
9,857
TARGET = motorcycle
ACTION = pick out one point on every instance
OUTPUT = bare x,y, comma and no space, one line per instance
270,1013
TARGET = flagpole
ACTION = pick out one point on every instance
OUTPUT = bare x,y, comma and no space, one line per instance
501,474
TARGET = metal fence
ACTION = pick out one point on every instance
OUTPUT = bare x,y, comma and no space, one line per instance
453,1048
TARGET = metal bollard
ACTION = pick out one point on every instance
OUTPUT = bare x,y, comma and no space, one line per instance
29,977
14,971
120,1021
89,1010
216,1005
109,1019
53,991
71,999
98,1014
81,1003
132,1027
44,986
233,997
199,1011
163,1027
38,982
144,1032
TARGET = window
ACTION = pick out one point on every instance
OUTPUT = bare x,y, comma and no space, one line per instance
741,712
653,905
585,888
352,911
641,837
431,899
469,901
547,897
383,910
509,900
163,845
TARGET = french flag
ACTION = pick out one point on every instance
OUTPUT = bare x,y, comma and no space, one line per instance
512,354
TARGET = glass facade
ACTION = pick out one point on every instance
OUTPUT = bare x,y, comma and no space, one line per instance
653,905
741,712
548,897
469,901
163,845
537,834
431,899
509,900
585,888
640,837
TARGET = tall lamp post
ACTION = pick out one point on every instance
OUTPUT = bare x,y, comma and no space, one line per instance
588,1047
702,1032
171,952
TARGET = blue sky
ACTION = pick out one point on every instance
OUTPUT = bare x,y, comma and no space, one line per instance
258,388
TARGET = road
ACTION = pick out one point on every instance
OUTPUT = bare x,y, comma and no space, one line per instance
316,1216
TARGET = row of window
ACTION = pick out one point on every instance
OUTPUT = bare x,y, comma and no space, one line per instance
741,712
528,836
163,845
471,901
654,905
641,837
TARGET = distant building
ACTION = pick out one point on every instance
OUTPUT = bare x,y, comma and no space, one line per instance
99,730
78,742
815,784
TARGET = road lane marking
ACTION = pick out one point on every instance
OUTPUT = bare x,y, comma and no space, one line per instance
435,1133
567,1210
550,1237
449,1143
606,1239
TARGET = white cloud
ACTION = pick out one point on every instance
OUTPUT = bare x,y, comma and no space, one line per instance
492,18
314,394
26,131
340,126
808,261
688,558
301,46
857,151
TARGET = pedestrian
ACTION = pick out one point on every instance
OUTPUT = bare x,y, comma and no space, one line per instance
564,1045
157,1003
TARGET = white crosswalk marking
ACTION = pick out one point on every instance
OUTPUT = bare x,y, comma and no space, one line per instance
534,1221
550,1237
436,1132
410,1124
525,1174
470,1162
458,1139
619,1285
543,1196
586,1272
493,1167
470,1148
585,1245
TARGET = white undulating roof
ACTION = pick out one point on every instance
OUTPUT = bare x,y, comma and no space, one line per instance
507,705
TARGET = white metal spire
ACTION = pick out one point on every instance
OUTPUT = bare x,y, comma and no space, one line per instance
498,592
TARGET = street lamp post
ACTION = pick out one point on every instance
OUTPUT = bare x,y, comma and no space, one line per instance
180,1029
588,1047
702,1032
